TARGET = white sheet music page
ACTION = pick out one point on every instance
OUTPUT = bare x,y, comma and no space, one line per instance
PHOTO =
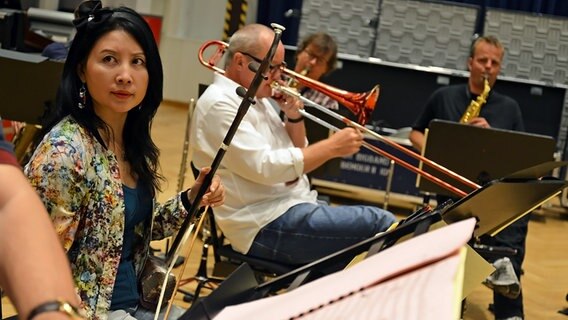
417,279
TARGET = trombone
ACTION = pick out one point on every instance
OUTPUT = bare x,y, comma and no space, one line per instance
361,104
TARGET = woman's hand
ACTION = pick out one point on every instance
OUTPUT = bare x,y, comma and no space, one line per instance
215,196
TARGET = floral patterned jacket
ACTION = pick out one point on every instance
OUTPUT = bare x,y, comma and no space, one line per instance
80,185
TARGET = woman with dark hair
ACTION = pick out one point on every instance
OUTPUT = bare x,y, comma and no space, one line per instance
96,167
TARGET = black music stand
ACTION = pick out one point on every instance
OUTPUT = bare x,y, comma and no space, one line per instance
28,85
512,197
501,202
480,154
241,286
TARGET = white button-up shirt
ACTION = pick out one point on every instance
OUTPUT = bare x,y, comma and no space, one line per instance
262,170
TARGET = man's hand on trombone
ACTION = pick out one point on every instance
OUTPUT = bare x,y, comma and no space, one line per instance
343,143
346,142
289,104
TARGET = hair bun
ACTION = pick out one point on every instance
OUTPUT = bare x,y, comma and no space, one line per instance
90,14
87,8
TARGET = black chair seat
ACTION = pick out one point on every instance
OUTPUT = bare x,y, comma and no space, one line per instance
227,260
258,264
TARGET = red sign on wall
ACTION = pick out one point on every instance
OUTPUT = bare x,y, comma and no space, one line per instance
155,23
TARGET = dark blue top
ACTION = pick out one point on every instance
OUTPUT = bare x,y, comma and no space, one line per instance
138,207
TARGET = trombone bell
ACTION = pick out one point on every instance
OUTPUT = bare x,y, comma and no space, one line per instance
361,104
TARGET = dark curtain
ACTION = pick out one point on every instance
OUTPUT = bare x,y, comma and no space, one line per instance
286,13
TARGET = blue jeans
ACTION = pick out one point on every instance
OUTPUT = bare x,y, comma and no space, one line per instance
307,231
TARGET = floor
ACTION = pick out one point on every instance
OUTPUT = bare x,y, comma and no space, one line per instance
545,283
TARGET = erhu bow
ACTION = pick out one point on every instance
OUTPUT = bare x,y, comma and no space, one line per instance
194,214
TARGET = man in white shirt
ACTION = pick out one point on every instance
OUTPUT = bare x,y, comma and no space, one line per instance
270,211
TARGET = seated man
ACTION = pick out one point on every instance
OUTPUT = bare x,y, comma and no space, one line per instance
270,211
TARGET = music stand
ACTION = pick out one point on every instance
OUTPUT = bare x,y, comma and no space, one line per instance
481,154
28,85
501,202
495,205
241,287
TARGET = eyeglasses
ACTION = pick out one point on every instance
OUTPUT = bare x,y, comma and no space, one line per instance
319,59
272,67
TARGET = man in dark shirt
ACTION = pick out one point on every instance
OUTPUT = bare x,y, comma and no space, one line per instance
499,111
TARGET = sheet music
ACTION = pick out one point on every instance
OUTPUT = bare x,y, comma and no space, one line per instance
400,299
426,267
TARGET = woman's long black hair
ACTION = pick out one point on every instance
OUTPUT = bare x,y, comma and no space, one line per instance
92,23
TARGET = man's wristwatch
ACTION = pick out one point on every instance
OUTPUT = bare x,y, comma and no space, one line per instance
57,305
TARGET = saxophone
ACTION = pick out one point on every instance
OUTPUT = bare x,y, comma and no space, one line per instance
474,107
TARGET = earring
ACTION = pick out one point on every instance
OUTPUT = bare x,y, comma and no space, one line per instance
82,97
